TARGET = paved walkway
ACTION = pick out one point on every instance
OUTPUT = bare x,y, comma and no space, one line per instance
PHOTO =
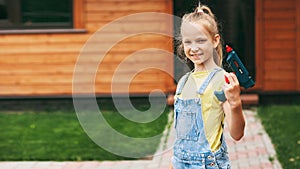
254,151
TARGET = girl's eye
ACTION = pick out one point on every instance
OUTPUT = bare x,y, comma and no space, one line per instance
201,40
187,42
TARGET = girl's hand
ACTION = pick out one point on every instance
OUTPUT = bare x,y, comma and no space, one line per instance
232,90
233,107
171,167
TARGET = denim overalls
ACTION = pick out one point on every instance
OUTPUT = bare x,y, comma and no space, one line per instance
191,148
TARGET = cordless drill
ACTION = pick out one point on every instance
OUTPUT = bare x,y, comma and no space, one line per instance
238,68
236,65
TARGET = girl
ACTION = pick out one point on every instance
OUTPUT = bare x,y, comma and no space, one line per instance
199,115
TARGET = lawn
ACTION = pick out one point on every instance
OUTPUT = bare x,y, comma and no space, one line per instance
42,131
282,123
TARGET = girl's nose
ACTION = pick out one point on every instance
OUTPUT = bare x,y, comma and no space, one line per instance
194,48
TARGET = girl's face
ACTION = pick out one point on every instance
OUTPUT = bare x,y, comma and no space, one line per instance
198,45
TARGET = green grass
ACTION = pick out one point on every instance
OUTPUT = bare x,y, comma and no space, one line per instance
282,123
47,133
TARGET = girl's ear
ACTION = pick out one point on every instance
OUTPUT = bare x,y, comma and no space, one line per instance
216,40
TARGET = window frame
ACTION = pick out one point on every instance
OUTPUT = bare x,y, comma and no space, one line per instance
78,23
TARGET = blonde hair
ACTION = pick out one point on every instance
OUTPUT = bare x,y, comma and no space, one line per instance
204,16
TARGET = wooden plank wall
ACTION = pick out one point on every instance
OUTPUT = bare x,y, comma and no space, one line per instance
278,51
298,44
43,64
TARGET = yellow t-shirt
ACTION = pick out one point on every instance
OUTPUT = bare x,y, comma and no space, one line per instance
212,111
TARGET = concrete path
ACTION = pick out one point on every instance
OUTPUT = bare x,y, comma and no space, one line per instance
254,151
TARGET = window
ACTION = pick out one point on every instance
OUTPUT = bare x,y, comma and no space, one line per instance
36,14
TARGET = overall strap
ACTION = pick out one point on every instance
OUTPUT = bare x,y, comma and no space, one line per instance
207,80
181,83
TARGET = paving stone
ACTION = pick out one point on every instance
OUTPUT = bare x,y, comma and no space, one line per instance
26,165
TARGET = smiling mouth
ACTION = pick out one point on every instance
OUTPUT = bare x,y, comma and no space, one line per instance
196,55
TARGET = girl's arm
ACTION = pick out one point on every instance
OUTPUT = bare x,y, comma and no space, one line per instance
233,107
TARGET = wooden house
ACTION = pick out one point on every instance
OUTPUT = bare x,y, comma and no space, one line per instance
39,60
277,46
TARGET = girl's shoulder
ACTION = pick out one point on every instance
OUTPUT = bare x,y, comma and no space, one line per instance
184,77
182,81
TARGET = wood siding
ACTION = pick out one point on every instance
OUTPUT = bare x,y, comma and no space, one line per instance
277,45
43,64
